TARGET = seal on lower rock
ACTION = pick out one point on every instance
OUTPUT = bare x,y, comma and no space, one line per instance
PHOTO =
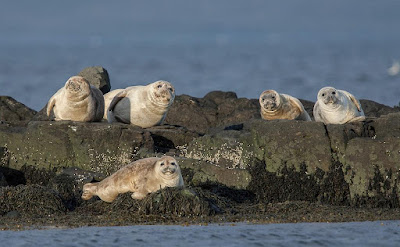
141,177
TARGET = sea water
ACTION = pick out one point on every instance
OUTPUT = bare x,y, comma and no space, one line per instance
294,47
378,233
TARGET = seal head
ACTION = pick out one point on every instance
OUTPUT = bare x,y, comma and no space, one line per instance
162,93
167,168
270,100
329,96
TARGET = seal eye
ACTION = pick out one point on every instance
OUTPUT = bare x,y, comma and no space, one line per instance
333,92
173,164
273,97
161,164
323,95
159,86
170,89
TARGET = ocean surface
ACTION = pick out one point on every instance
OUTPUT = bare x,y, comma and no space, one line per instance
294,47
383,233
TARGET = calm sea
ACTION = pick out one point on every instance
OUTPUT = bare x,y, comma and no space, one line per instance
294,47
384,233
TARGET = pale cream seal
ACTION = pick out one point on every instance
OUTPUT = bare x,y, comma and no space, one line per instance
77,101
335,106
143,106
140,177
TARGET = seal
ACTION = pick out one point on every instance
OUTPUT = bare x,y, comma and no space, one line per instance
140,177
143,106
335,106
281,106
77,101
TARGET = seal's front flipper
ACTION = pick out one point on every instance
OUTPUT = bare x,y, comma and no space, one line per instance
110,111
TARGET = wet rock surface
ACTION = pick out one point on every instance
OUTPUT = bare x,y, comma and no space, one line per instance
235,166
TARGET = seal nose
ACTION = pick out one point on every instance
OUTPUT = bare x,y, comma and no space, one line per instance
269,103
330,99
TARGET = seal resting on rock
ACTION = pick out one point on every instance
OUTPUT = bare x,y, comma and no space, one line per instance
140,177
144,106
335,106
281,106
77,101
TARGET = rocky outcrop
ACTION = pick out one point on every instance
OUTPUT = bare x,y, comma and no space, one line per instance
98,77
13,111
216,109
221,145
221,109
360,162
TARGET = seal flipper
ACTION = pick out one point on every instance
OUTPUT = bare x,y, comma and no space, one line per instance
138,195
355,101
110,115
317,113
88,191
50,105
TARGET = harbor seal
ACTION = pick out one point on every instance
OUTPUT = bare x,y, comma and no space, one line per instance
77,101
281,106
140,177
335,106
144,106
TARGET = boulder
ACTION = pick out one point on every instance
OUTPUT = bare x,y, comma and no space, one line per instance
374,109
216,109
96,147
98,77
13,111
294,160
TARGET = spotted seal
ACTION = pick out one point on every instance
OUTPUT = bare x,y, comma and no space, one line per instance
281,106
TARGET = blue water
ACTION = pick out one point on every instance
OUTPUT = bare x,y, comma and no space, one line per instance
383,233
294,47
